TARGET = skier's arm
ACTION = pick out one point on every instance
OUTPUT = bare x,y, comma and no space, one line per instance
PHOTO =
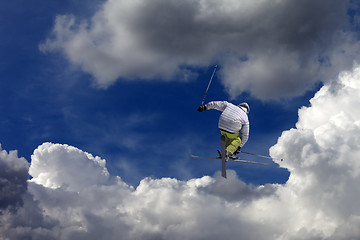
218,105
244,134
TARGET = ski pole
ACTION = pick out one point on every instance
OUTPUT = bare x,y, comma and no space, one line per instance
209,85
281,159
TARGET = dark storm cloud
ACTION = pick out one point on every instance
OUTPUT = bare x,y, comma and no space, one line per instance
13,177
273,49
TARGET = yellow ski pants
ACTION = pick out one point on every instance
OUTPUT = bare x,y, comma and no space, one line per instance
232,141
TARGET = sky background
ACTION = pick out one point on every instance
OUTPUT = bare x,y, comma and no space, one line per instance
98,116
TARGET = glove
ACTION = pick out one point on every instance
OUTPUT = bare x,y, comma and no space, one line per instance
202,108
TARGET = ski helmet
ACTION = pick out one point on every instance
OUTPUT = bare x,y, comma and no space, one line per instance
245,105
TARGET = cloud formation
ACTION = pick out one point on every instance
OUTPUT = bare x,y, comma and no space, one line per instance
323,153
13,176
273,49
72,195
50,167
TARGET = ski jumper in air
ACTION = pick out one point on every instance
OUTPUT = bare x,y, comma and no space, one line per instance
233,124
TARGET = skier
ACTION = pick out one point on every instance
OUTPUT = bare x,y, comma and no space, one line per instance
232,120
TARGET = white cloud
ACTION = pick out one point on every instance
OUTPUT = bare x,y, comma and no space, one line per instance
56,165
72,196
273,49
323,154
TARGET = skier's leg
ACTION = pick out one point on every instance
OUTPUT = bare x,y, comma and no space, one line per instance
232,141
234,145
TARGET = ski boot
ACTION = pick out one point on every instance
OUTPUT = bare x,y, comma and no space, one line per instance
226,155
230,156
238,150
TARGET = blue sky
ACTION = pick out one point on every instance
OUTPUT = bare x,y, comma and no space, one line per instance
149,126
99,99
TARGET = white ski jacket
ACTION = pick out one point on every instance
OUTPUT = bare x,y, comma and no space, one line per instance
232,119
